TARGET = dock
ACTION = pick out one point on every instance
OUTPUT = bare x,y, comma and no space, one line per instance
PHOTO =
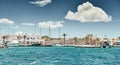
86,46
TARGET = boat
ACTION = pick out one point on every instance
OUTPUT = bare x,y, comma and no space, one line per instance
86,46
116,44
57,44
36,44
13,43
106,44
0,42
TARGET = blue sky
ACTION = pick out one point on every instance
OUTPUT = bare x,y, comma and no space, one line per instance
27,11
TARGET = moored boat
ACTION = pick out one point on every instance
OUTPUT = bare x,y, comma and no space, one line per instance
116,44
57,44
106,44
36,44
86,46
13,43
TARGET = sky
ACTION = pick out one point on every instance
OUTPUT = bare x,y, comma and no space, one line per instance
76,18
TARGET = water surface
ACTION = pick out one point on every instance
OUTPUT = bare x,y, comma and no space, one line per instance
59,56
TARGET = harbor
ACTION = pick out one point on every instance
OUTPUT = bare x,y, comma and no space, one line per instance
59,32
89,41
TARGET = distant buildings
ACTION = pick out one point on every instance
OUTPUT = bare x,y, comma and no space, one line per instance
24,39
30,39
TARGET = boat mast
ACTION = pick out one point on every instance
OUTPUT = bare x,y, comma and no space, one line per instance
49,34
0,34
40,32
49,31
59,32
34,29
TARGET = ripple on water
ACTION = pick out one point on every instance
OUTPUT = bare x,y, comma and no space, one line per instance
59,56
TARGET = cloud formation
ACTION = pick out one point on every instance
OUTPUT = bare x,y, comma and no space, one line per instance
28,24
51,24
6,21
41,3
88,13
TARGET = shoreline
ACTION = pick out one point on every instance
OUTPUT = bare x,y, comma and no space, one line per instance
76,46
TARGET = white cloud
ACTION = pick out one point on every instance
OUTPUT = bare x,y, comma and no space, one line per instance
28,24
51,24
88,13
41,3
6,21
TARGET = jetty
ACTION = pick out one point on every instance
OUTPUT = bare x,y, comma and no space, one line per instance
86,46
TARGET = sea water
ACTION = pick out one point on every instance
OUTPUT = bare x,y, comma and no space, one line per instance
59,56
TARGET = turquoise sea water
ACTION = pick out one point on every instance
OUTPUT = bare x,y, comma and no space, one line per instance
59,56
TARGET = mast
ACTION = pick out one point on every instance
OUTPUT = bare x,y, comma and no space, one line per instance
40,32
49,34
34,29
0,34
59,32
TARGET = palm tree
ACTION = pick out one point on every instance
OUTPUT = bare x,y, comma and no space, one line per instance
75,40
118,38
5,42
4,37
90,41
86,39
46,38
19,37
97,41
64,35
24,37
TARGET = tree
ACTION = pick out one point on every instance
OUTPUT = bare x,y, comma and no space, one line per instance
86,38
5,42
97,41
19,37
64,35
4,37
24,37
75,40
118,38
46,38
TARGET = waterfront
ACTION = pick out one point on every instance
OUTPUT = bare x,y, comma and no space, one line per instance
59,56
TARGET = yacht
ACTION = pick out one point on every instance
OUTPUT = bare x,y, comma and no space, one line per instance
106,44
116,44
85,46
36,44
0,42
57,44
13,43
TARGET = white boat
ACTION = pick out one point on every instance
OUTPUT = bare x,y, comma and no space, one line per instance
13,43
116,44
57,44
0,42
86,46
106,44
